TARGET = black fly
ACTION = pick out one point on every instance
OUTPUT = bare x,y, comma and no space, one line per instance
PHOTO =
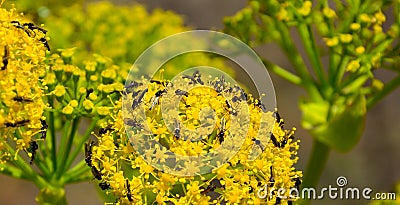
32,27
156,98
275,141
195,78
181,93
177,130
132,123
278,119
259,104
21,99
105,130
222,130
139,99
5,58
230,109
128,188
104,185
214,184
45,43
297,183
33,147
43,129
96,173
271,179
258,143
16,124
88,153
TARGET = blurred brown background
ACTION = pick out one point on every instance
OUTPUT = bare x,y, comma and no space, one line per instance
373,163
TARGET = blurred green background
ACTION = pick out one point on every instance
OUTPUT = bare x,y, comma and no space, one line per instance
373,163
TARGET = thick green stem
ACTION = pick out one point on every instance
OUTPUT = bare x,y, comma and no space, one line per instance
316,164
65,154
50,195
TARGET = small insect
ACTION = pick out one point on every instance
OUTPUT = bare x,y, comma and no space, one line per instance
18,25
158,82
96,173
5,58
104,185
33,147
132,123
214,184
243,94
230,109
195,78
139,99
45,43
259,104
132,85
278,119
236,98
258,143
104,130
222,130
21,99
219,85
283,143
16,124
156,99
128,188
43,129
181,93
278,200
28,31
297,183
88,92
271,179
88,153
177,130
275,141
32,26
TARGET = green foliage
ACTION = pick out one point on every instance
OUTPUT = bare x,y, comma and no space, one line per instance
358,40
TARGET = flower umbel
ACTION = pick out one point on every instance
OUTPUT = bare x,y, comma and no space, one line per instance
259,162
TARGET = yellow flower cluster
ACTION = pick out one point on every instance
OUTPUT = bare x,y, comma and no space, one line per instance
262,161
121,33
23,48
82,90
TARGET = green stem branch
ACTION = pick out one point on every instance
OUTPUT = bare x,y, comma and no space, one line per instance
283,73
295,58
52,137
84,139
71,136
316,164
312,51
12,171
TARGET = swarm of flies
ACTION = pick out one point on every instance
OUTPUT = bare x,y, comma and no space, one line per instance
30,29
